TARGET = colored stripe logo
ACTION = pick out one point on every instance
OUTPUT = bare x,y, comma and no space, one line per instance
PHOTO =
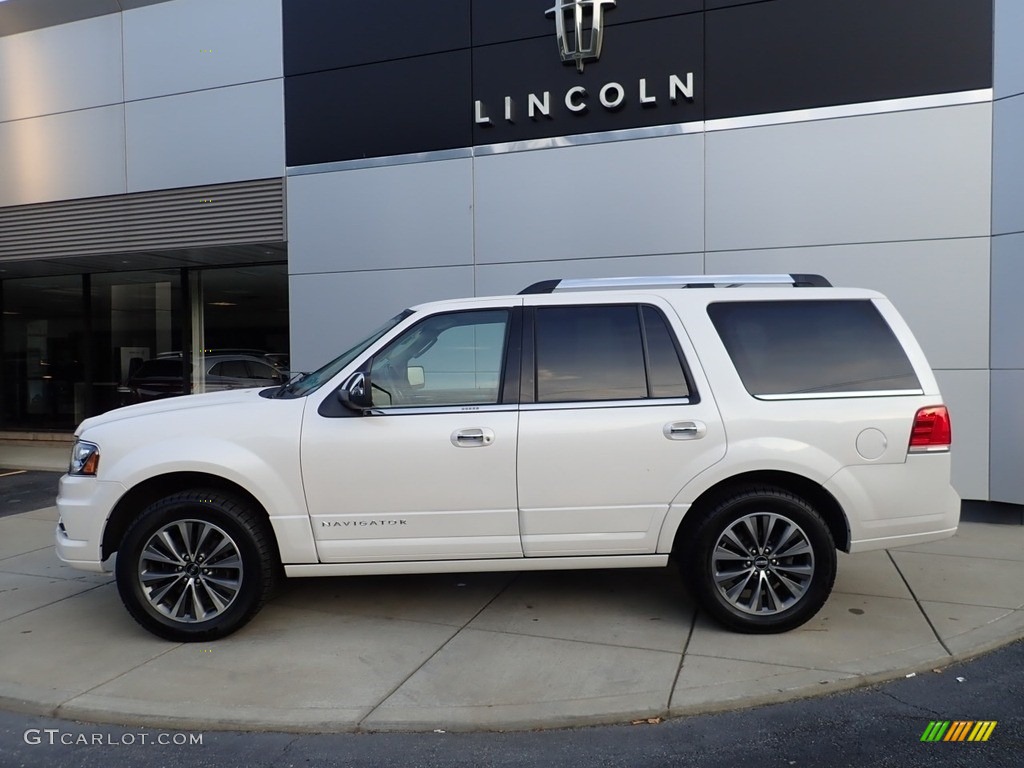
959,730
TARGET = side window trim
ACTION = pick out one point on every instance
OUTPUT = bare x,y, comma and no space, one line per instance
512,365
425,410
647,402
528,384
646,350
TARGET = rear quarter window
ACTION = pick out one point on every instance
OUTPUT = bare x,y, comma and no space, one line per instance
807,348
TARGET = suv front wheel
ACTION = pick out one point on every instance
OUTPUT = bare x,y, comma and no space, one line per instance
195,566
762,561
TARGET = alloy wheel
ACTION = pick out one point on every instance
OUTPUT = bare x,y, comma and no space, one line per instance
190,571
763,563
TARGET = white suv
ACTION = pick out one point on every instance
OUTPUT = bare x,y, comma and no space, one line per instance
747,425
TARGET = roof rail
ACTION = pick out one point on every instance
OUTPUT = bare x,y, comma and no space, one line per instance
675,281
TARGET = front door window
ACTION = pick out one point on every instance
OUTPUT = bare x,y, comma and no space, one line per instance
451,359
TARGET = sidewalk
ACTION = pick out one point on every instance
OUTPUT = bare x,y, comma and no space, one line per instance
487,651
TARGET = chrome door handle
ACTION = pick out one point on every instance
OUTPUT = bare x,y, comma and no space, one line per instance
469,438
685,430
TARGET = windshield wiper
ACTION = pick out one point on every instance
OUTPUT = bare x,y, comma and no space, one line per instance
287,387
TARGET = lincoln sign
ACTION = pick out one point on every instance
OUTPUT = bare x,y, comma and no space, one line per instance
634,85
611,96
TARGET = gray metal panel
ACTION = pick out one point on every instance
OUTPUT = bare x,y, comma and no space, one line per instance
376,218
898,176
190,45
246,212
57,157
339,309
43,71
941,287
498,279
1007,482
1008,166
1008,54
127,5
206,137
618,199
17,16
1007,308
967,395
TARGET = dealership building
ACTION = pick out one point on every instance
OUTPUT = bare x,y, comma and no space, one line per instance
180,178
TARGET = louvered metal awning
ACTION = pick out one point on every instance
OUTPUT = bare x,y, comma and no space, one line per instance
220,219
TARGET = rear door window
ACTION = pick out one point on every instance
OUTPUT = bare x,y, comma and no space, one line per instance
792,349
606,352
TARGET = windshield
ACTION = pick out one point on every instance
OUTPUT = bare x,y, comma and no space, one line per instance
307,383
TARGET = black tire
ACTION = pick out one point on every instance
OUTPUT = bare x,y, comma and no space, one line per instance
196,565
761,561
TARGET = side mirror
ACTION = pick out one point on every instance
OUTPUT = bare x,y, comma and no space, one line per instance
355,393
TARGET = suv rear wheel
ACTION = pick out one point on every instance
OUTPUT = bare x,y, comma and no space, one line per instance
763,560
195,566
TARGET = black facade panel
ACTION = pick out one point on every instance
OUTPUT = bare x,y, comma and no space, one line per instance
650,50
328,34
711,5
497,22
746,58
798,54
411,105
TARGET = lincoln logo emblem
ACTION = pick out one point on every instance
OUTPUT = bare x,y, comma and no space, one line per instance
570,26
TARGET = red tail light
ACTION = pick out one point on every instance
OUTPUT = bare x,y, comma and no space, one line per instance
932,430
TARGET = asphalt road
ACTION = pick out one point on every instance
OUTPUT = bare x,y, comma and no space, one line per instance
24,491
879,727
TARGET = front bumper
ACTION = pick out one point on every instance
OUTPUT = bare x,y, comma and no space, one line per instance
84,504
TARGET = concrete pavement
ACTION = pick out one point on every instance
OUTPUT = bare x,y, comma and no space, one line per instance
483,651
487,651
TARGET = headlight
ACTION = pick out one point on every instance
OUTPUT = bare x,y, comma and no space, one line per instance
85,458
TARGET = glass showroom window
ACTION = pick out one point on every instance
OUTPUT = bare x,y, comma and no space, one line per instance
136,318
43,376
239,321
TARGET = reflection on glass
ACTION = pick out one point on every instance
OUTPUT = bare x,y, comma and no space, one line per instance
449,359
589,353
43,353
